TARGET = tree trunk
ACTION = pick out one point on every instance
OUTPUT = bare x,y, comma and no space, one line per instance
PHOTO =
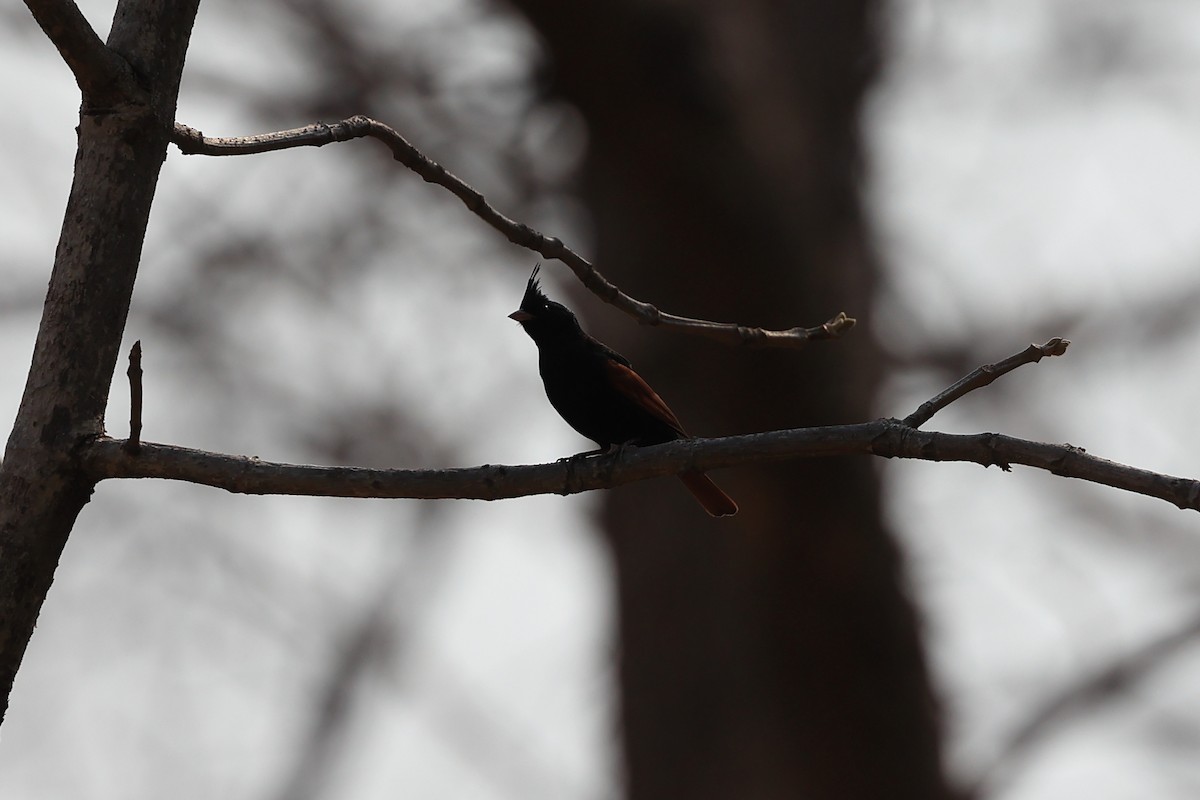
774,655
122,144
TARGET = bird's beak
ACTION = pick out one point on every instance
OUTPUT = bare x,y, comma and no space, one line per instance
520,316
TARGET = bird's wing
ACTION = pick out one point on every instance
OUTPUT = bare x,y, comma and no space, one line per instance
630,384
607,351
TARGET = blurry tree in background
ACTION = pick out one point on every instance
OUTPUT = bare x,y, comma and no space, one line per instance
775,655
326,306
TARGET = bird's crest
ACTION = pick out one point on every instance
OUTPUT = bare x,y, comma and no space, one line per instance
533,290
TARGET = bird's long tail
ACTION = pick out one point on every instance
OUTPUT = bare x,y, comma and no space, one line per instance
708,494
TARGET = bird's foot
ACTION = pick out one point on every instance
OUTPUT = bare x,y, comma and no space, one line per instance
581,456
614,453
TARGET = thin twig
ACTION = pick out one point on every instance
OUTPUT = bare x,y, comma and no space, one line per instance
191,141
106,458
134,443
983,376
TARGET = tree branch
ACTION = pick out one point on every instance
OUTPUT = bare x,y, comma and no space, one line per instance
983,376
191,141
107,458
890,438
103,76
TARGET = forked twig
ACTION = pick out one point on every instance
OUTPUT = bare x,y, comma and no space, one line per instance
107,458
889,438
192,141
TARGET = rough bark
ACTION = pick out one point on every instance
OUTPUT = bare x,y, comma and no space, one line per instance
123,136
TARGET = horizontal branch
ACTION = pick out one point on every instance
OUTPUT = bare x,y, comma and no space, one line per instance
192,141
103,76
107,458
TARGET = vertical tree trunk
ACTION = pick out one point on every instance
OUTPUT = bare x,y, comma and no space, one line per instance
122,144
774,655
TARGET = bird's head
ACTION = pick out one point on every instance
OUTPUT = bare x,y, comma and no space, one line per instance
541,317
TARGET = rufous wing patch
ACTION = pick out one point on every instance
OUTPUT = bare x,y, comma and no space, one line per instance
633,386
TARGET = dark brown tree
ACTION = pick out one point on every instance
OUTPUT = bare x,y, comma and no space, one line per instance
777,655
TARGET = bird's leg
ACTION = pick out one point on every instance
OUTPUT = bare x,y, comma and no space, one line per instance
612,453
617,451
